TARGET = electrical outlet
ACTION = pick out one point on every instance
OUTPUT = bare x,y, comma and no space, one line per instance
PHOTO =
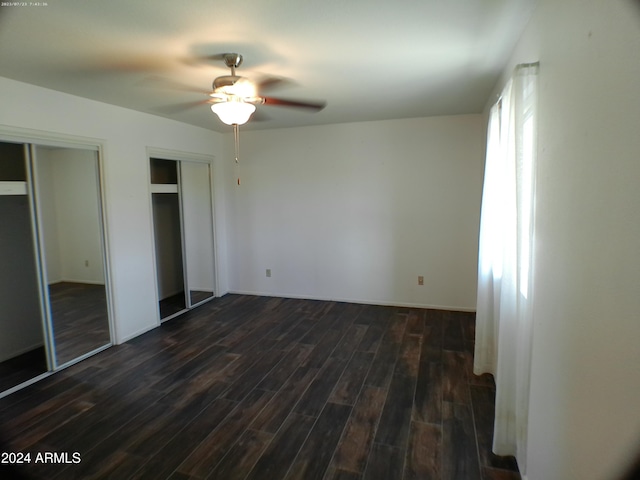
268,272
420,280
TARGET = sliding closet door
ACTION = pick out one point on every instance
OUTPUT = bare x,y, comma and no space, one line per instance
195,181
70,219
23,354
181,201
53,276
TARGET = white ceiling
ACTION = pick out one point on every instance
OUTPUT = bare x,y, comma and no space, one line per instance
369,59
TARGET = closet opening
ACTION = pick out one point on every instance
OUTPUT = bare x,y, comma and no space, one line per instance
182,212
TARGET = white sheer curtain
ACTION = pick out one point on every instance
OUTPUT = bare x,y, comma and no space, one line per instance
504,316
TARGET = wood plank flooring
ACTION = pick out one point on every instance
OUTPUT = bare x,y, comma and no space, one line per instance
22,368
263,388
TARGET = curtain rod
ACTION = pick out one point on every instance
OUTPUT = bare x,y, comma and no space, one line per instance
518,67
527,65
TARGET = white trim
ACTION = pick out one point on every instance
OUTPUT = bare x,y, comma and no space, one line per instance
178,156
71,280
43,138
353,300
13,188
164,188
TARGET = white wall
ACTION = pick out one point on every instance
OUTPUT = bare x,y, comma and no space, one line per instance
47,214
358,211
585,392
78,214
69,210
125,135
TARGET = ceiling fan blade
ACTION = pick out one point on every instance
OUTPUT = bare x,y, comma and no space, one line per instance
280,102
161,82
205,60
214,57
266,83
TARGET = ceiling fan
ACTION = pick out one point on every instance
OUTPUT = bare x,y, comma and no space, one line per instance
234,98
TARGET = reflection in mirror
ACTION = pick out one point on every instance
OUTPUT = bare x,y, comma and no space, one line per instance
68,196
198,230
22,345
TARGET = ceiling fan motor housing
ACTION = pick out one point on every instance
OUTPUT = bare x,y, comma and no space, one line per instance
225,81
232,60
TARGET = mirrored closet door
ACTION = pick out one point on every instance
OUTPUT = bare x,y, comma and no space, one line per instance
67,192
53,282
181,199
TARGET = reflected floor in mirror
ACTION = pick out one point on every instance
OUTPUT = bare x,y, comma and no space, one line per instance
80,319
198,296
176,303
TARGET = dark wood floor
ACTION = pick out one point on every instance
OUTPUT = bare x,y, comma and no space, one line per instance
265,388
22,368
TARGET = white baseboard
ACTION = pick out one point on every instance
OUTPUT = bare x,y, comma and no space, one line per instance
355,300
136,334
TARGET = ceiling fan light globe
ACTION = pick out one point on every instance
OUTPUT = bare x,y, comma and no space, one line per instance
233,113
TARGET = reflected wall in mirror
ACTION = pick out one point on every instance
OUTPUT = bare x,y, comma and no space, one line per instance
68,200
22,341
197,215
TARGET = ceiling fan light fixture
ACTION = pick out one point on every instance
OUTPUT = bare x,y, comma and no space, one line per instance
233,112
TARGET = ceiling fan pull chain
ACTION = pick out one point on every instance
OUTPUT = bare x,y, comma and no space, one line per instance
236,140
